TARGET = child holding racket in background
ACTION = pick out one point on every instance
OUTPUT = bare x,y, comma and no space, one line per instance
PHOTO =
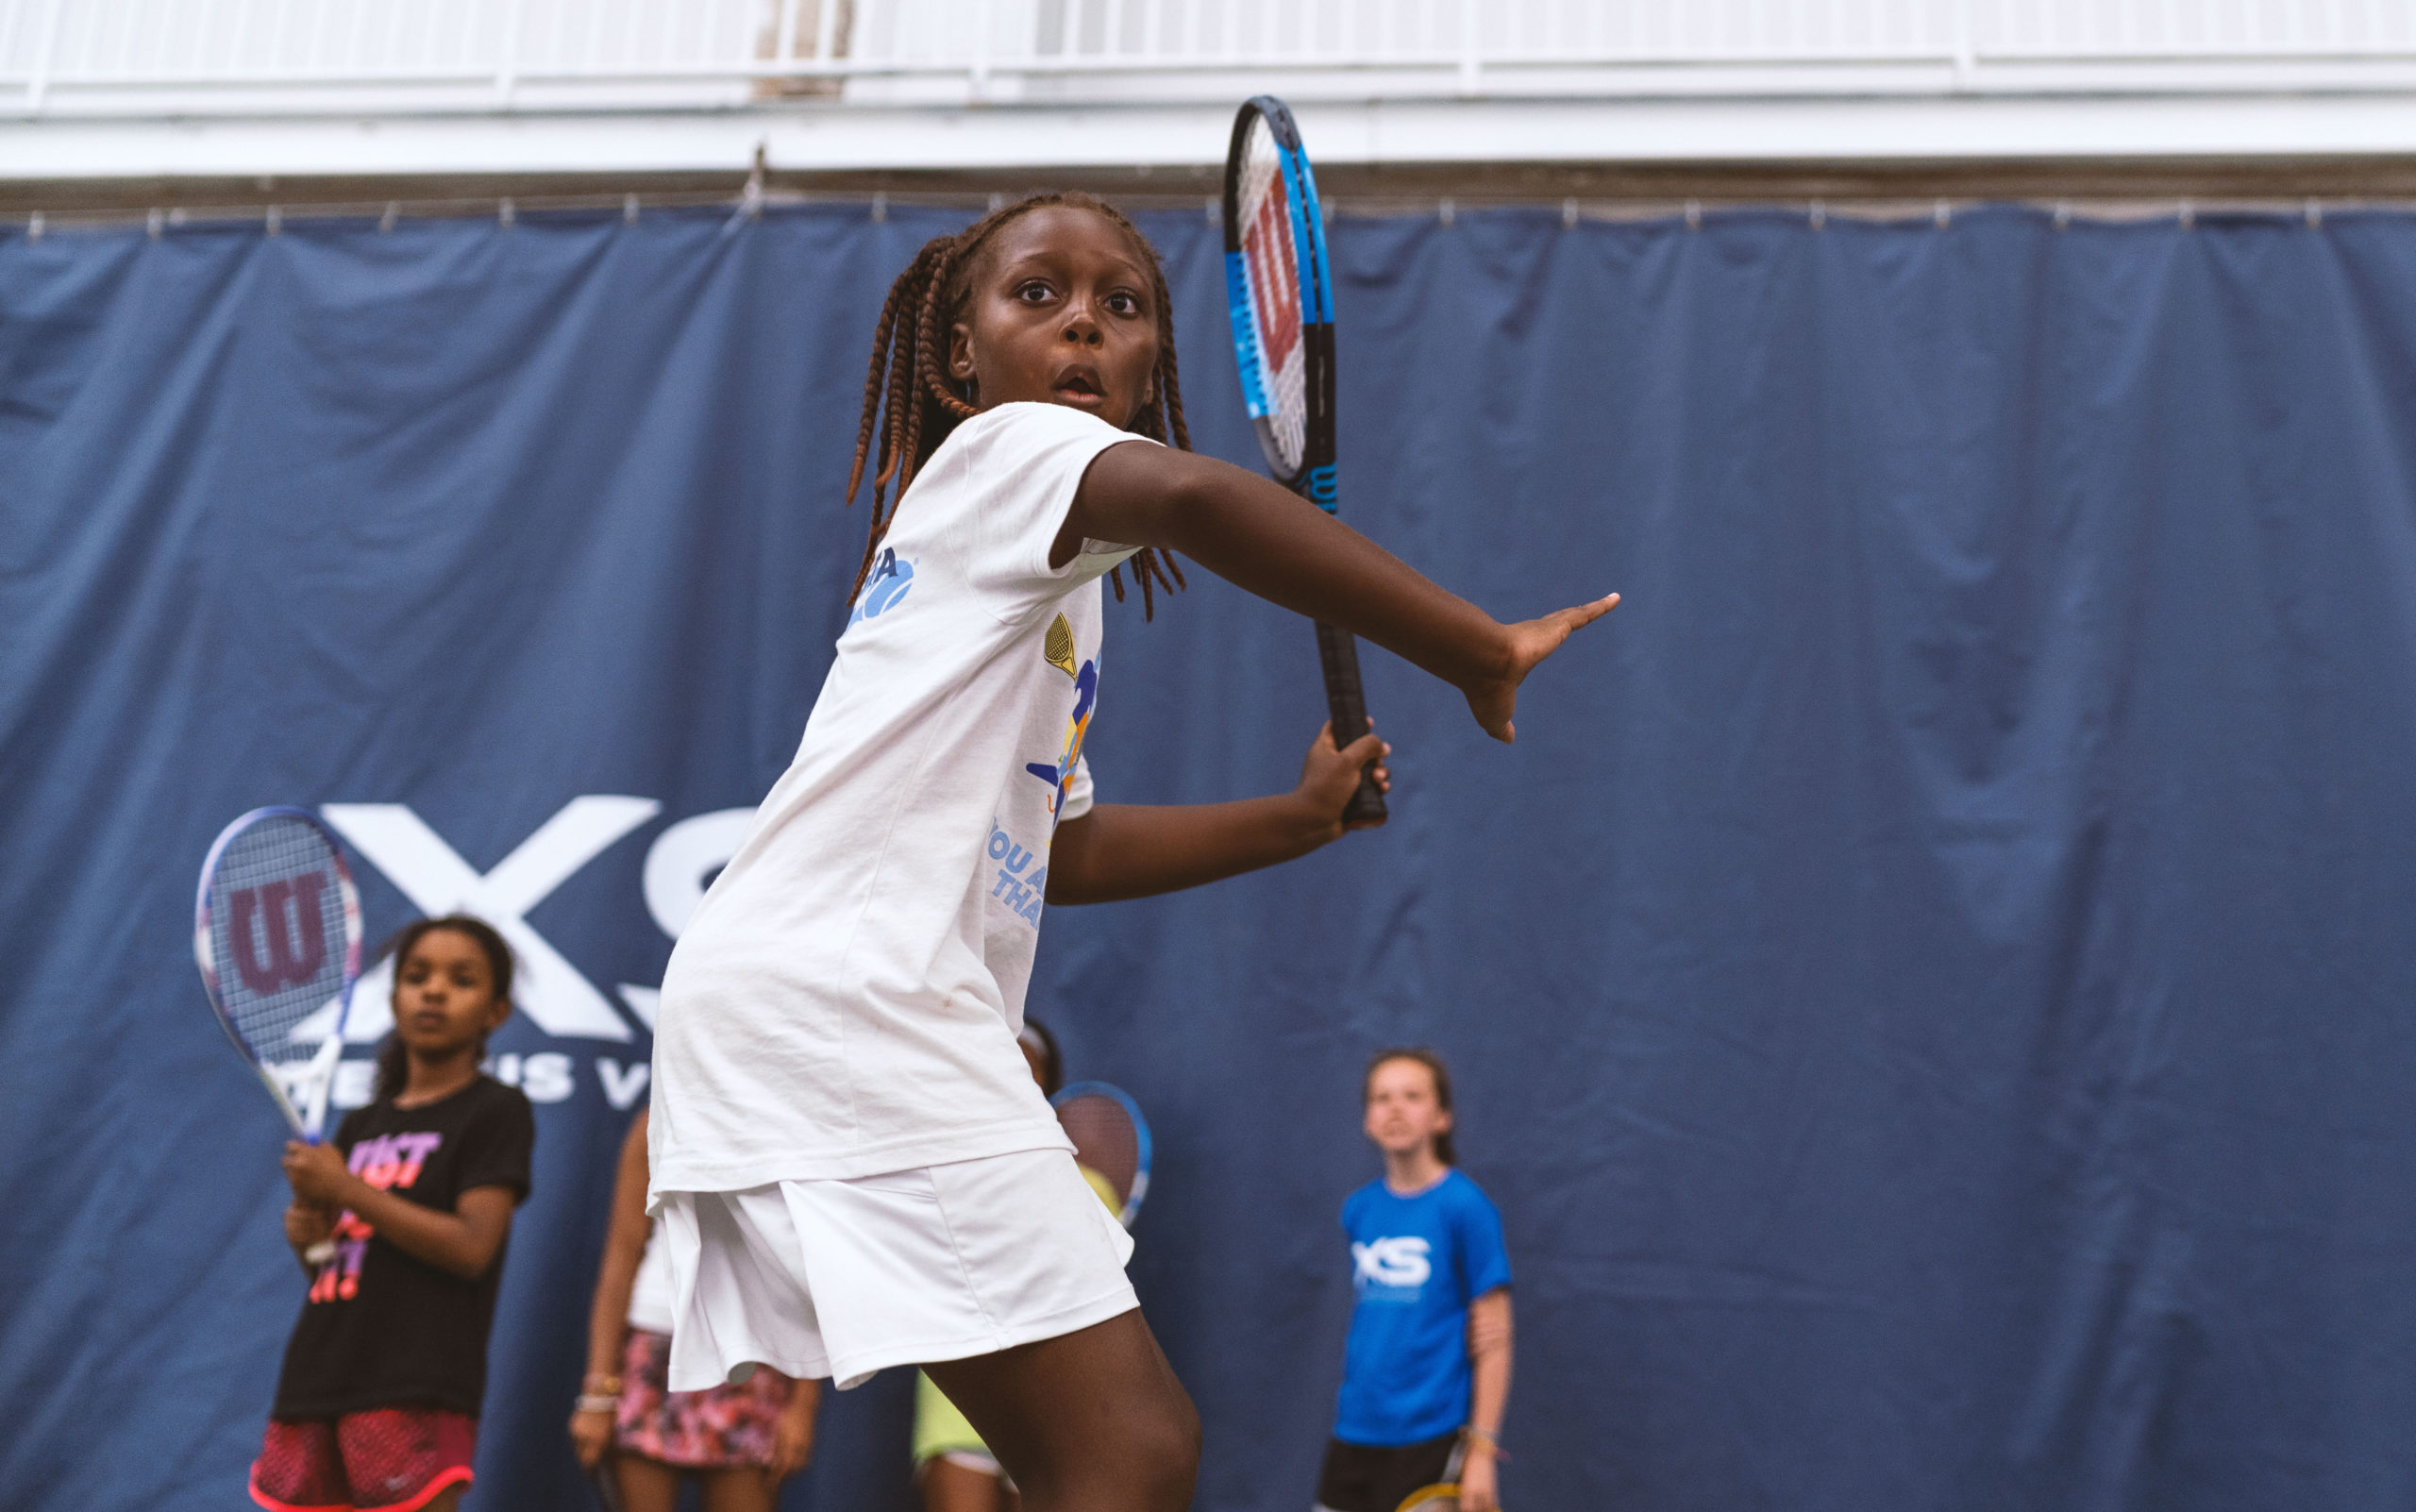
740,1441
953,1466
1427,1369
377,1403
854,1167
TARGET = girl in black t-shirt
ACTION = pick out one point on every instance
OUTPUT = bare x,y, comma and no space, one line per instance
376,1409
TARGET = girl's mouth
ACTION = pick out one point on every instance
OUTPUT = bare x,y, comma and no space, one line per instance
1078,388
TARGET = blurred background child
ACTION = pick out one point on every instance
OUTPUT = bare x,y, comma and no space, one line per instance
739,1441
954,1468
377,1404
1427,1368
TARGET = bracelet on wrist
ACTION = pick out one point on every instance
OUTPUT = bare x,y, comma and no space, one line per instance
597,1403
603,1385
1479,1438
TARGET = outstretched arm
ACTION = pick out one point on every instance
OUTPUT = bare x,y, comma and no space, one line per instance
1259,536
626,1231
1120,850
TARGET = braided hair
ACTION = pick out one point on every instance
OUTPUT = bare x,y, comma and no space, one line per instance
912,401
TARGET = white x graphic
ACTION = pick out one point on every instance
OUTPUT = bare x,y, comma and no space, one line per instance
548,988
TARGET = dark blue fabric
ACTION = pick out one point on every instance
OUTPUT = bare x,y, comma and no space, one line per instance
1416,1263
1929,988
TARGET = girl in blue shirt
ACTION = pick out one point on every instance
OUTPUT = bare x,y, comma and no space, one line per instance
1427,1369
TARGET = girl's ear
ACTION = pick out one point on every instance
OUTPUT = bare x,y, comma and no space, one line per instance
497,1012
960,352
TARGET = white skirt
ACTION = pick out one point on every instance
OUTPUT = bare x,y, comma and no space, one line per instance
838,1279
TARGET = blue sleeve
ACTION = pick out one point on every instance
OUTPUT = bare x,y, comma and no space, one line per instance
1485,1260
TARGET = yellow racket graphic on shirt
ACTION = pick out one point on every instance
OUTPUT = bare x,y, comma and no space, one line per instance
1060,649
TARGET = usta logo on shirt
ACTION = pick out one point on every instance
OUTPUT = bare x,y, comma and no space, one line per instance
1392,1263
885,588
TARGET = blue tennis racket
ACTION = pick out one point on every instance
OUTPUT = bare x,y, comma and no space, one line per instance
276,932
1279,293
1111,1137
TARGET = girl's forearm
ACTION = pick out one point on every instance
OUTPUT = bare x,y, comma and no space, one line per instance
625,1239
1261,537
1489,1393
445,1240
1489,1334
607,1320
1121,850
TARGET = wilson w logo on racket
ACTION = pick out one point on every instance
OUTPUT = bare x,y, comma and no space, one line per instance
279,933
276,933
1266,246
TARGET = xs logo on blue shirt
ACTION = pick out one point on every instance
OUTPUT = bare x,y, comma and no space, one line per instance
885,589
1399,1262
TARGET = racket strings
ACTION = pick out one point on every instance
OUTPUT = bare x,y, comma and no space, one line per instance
1267,211
280,933
1104,1139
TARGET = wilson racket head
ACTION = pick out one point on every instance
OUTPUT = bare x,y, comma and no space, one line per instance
1443,1498
1278,294
276,933
1111,1137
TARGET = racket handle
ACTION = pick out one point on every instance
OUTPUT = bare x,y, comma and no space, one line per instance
1346,706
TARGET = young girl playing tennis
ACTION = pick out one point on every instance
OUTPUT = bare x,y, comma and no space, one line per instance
739,1441
852,1163
378,1405
1427,1370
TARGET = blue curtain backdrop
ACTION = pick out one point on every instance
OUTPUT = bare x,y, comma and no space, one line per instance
1931,987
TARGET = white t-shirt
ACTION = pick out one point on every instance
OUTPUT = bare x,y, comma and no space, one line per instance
846,1000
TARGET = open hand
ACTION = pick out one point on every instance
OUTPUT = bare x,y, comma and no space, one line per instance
1329,776
1494,698
591,1436
791,1446
1478,1483
316,1173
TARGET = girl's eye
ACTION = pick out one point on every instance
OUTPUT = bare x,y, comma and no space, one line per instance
1123,304
1033,292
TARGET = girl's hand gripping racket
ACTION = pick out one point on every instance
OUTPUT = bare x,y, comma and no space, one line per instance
1280,293
276,932
1111,1137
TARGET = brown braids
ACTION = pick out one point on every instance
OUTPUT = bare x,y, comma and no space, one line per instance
911,401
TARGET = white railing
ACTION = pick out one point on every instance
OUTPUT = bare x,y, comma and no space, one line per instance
154,57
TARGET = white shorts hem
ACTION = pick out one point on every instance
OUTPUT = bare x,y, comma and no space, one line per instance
838,1280
854,1370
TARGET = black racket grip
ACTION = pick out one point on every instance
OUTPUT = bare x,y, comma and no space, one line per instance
1346,706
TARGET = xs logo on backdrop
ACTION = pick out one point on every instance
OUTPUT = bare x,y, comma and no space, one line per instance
433,876
1400,1262
553,992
